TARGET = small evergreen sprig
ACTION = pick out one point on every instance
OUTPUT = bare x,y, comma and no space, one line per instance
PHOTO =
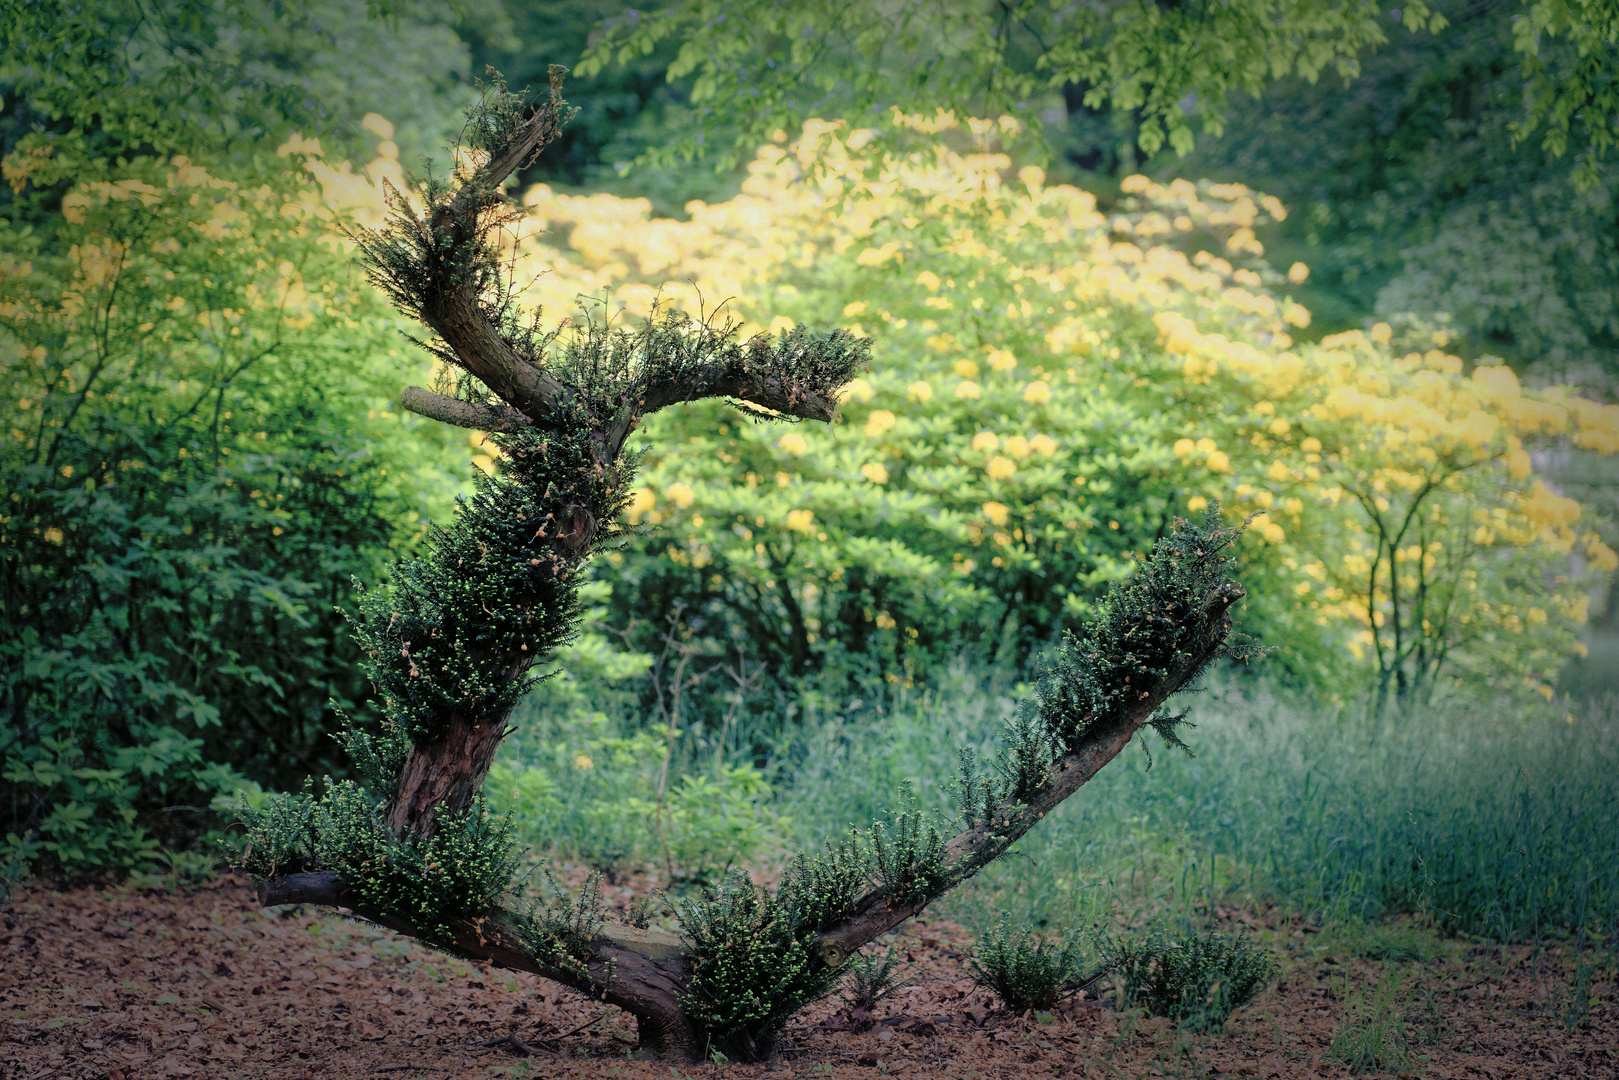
455,873
562,933
821,889
872,978
1143,631
908,853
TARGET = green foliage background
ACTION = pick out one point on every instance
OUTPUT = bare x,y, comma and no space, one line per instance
201,453
187,502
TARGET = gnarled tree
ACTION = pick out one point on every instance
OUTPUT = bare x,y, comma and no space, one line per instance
451,642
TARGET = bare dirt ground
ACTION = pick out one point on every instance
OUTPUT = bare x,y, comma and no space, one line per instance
128,986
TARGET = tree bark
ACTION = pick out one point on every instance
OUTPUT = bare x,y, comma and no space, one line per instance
442,777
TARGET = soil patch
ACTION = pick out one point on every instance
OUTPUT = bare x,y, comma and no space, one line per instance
129,986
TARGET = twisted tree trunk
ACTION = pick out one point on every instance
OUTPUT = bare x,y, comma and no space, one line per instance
450,656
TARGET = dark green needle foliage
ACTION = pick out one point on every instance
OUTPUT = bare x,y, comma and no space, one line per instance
872,978
1146,628
1025,971
499,586
1197,980
908,854
822,889
561,932
424,882
1141,631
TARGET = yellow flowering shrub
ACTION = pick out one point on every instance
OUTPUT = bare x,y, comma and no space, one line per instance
1051,385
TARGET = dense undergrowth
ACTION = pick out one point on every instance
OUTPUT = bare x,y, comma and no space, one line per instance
1502,825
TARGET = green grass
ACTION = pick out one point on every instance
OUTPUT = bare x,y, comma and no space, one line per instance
1371,1035
1502,824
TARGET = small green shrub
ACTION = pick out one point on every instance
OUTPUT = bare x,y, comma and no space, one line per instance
468,861
872,978
1024,971
1198,980
1371,1031
754,964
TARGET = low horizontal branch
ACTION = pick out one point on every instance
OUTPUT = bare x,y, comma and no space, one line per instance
465,414
640,971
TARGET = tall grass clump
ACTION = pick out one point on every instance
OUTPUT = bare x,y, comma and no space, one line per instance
1497,822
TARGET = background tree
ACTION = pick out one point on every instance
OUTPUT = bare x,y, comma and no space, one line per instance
449,645
201,453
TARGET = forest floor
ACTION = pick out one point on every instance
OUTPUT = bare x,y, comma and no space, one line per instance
203,983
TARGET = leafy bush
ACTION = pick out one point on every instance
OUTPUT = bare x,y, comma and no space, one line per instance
1024,971
195,470
1051,386
754,964
1197,980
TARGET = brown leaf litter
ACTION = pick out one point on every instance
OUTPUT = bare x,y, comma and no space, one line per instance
120,985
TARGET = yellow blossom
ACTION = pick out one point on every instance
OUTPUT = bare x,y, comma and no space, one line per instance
859,390
1219,462
1018,447
1184,447
1298,273
1002,360
995,513
1001,468
875,472
967,390
966,369
680,494
1037,392
582,763
1197,503
920,391
879,421
793,443
1044,445
857,307
54,535
802,521
985,440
